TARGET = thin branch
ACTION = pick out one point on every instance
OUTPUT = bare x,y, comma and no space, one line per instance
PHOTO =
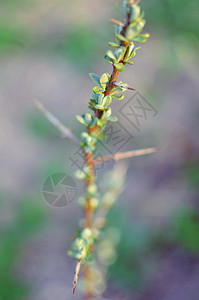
89,157
77,270
119,156
52,119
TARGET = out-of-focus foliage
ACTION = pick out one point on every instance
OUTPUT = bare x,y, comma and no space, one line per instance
134,246
28,217
191,172
12,38
79,45
174,16
186,226
137,243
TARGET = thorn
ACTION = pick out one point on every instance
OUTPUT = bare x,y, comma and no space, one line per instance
122,86
116,22
130,89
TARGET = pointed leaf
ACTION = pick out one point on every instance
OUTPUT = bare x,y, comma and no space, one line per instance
142,38
111,55
118,97
95,77
121,37
113,119
129,51
130,62
81,120
135,12
108,59
104,79
113,44
119,54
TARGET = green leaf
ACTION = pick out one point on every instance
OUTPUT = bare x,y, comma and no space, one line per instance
121,37
106,101
95,77
101,107
101,123
100,98
118,29
93,123
142,38
118,97
110,54
84,137
113,44
135,12
125,7
134,52
92,102
81,120
98,89
113,119
129,51
120,67
108,59
119,54
134,29
104,79
116,90
106,114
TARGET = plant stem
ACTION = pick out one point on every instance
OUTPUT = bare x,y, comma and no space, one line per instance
89,211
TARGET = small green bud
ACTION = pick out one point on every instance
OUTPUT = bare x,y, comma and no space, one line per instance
79,174
92,189
94,203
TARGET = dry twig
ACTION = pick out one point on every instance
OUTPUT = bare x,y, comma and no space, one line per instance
53,120
119,156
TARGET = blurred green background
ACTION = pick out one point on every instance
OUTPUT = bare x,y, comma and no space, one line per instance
47,50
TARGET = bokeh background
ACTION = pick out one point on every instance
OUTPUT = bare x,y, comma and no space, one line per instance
47,49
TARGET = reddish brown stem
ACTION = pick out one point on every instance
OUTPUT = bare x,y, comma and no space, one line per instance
89,156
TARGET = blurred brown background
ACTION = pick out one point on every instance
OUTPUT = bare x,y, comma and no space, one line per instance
47,49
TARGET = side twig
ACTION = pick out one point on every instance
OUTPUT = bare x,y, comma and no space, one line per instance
77,270
119,156
53,120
